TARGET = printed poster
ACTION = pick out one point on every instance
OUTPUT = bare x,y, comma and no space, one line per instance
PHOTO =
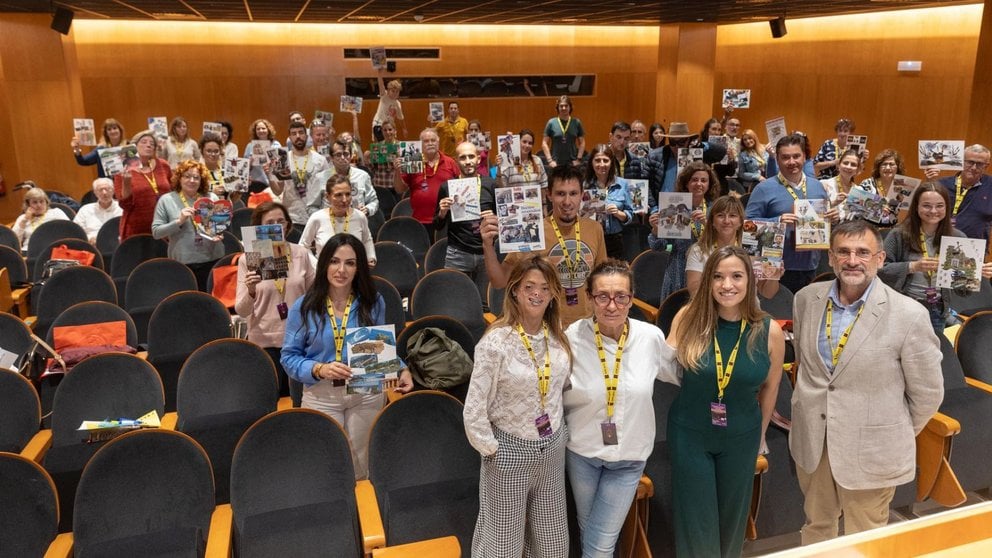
378,56
901,192
960,263
211,217
509,150
115,159
764,241
639,194
639,149
812,228
594,204
159,125
85,131
941,154
856,142
436,112
481,140
465,203
372,357
775,128
351,104
520,217
236,175
266,251
674,215
324,116
411,157
737,98
215,128
865,205
688,155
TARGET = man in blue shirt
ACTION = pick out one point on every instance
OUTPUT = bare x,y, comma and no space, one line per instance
776,197
971,193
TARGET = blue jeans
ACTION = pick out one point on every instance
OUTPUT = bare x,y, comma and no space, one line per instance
603,492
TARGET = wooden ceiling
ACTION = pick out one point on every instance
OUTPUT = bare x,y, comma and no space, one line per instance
516,12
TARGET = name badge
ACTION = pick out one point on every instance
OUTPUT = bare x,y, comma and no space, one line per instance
543,424
571,296
283,310
609,433
718,414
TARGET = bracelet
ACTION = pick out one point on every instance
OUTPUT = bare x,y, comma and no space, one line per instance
314,371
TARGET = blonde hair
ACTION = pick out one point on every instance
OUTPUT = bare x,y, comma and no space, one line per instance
758,149
552,315
699,320
394,84
35,193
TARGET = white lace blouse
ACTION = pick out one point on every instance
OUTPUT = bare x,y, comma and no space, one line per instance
503,392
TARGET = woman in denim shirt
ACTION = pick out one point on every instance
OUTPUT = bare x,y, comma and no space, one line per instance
615,209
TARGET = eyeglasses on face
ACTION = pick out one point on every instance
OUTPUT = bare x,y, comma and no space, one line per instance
862,254
976,164
603,299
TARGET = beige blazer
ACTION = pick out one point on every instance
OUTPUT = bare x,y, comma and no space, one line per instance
886,386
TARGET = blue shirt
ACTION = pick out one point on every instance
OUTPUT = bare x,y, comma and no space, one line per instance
843,316
769,200
975,213
618,194
307,344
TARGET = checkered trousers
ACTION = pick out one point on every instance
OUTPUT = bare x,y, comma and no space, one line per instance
522,509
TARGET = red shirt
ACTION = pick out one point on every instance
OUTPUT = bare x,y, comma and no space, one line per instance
425,185
139,208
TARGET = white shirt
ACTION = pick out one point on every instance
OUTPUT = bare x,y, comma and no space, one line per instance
91,217
321,227
646,357
315,171
23,226
503,392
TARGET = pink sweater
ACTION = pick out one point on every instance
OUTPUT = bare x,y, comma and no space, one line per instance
265,327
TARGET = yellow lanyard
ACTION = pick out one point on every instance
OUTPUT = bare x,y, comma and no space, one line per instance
214,181
301,174
622,164
571,260
543,375
879,188
280,284
150,177
339,332
432,167
959,194
347,221
611,381
182,198
526,169
835,352
802,185
33,220
697,227
926,252
564,128
725,371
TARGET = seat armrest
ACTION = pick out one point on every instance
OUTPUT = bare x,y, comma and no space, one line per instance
933,451
373,532
21,297
37,447
978,384
645,488
650,312
443,547
219,538
284,403
489,317
61,547
169,421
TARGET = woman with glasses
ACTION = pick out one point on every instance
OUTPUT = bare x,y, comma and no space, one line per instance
139,187
212,148
37,210
887,165
189,242
514,419
609,411
265,302
731,353
912,247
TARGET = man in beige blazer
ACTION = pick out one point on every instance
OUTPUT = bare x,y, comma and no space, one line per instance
867,384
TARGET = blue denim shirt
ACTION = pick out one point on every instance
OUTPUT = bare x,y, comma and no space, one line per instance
618,194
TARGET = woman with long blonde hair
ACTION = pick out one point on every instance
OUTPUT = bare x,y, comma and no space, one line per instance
732,354
514,417
751,161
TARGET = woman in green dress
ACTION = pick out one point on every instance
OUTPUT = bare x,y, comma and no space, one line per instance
732,355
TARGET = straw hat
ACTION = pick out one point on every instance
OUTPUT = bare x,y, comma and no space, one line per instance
679,130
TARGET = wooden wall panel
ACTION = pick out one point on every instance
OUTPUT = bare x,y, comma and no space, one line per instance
845,66
36,109
266,70
980,112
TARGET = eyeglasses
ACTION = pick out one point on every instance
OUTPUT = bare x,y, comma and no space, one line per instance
976,164
621,300
862,254
339,154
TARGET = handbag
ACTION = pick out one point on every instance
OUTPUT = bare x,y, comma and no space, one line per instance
225,286
63,252
436,361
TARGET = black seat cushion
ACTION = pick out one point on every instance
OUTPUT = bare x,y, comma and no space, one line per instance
435,510
219,434
172,543
307,530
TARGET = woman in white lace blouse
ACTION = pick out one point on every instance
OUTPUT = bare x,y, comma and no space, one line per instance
513,417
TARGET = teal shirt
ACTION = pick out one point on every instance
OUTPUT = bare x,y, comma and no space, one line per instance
691,408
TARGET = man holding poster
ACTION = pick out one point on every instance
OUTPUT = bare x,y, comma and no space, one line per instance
574,245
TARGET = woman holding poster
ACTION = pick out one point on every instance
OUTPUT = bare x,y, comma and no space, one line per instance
342,296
